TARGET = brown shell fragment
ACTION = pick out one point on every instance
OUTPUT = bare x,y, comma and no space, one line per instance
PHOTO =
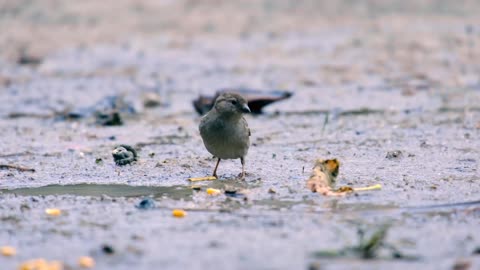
323,177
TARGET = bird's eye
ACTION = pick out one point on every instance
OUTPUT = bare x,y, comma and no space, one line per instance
234,102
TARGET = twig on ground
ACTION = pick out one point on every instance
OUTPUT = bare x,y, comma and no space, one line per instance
16,167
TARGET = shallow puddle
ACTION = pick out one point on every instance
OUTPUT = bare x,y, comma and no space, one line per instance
185,192
112,190
175,192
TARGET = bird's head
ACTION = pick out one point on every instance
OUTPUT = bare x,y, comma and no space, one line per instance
231,104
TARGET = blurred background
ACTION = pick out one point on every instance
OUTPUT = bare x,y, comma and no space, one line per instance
422,40
406,45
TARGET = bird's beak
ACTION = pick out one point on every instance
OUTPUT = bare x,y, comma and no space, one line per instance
246,109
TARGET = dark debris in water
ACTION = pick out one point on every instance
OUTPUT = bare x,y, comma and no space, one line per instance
233,193
257,99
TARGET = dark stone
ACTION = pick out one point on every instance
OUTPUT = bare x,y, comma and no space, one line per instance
394,154
124,154
107,249
146,203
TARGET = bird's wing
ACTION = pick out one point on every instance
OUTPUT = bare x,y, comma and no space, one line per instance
245,123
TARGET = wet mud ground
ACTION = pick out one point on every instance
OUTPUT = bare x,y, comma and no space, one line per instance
367,80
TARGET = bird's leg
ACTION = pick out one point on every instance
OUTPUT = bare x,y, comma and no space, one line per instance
206,178
242,174
216,167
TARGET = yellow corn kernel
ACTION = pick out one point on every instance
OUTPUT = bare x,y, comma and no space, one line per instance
213,191
53,212
206,178
179,213
55,265
8,251
86,262
35,264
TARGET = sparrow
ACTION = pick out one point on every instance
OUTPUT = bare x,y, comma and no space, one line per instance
225,131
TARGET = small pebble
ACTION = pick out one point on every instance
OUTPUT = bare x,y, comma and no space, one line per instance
462,265
146,203
124,154
315,266
109,118
234,193
151,100
107,249
394,154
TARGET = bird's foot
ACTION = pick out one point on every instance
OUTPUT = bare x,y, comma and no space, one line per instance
242,176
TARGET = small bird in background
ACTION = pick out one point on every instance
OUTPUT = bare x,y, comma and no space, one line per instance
225,131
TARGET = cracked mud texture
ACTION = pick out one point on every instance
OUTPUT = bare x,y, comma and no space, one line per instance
369,79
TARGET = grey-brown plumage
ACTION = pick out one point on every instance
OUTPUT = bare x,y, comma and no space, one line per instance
224,131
